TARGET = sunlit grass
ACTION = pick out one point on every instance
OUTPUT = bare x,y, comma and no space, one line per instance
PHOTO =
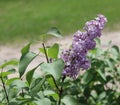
27,19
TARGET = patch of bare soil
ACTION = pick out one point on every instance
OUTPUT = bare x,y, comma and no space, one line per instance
13,52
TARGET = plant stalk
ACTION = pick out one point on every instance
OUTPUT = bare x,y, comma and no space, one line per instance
4,88
61,91
55,83
45,52
60,95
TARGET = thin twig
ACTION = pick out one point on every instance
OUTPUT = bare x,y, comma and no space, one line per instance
55,83
22,91
45,52
4,87
61,91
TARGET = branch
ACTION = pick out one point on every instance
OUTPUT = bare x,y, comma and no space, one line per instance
61,91
4,87
45,52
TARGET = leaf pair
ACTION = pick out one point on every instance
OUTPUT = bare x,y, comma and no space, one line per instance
51,32
52,52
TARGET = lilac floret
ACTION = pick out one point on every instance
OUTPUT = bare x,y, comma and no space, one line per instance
102,20
79,36
92,28
72,67
89,44
75,58
66,55
78,44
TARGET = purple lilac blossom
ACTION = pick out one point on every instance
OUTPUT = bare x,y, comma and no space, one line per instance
75,57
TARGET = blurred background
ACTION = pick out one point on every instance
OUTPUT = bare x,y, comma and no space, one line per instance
27,19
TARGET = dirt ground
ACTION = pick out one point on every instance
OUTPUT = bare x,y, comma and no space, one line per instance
12,52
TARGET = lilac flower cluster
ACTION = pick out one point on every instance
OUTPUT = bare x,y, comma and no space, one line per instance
75,57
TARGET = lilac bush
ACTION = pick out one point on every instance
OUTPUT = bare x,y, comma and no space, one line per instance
97,86
75,57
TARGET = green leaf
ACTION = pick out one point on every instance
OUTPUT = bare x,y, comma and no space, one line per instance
25,49
98,41
12,70
9,81
115,51
102,95
30,73
44,101
18,83
96,52
36,86
94,94
110,63
25,59
51,32
54,32
13,92
50,81
24,62
69,100
102,74
42,50
88,76
51,93
4,74
53,51
11,62
24,100
54,68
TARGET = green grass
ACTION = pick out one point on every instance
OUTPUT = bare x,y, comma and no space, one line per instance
27,19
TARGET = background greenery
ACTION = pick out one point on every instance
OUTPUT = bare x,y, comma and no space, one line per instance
99,85
27,19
